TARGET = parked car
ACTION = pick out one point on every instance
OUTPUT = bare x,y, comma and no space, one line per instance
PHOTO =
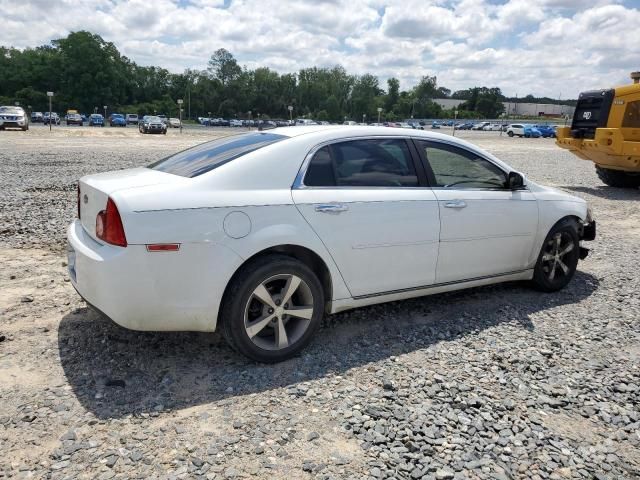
152,124
36,117
117,120
480,126
13,117
74,119
531,131
164,119
132,118
435,125
174,123
465,126
291,235
96,120
55,119
492,127
546,131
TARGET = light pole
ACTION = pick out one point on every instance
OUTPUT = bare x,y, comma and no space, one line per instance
364,118
250,119
379,111
455,118
209,113
180,110
290,108
50,95
104,120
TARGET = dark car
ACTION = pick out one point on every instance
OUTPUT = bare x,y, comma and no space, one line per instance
74,119
36,117
96,120
117,120
55,119
152,124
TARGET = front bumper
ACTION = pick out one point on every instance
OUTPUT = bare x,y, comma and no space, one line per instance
12,124
139,290
589,231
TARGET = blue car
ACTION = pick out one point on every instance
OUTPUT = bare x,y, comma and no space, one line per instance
96,120
546,131
117,120
531,131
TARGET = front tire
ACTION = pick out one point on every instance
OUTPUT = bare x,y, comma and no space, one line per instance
618,178
272,308
558,258
510,134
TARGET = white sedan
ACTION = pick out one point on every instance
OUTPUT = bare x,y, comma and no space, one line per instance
262,233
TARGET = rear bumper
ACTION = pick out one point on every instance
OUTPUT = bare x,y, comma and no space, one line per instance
165,291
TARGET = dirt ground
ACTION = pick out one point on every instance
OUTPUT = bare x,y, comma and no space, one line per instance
81,397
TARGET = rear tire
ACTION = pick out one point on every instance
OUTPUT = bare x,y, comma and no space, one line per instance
618,178
256,316
558,258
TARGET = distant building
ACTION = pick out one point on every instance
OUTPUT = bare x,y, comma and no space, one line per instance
513,108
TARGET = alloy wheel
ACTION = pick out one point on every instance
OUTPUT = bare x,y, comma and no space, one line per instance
556,249
278,312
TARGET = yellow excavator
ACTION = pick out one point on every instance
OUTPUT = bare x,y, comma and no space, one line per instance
606,130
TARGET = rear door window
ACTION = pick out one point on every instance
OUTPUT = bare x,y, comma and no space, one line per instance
363,163
207,156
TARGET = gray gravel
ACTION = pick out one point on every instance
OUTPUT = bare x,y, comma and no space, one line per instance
499,382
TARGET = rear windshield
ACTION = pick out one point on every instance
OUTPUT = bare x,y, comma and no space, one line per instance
204,158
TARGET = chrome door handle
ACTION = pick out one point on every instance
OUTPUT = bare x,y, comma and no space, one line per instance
455,204
331,208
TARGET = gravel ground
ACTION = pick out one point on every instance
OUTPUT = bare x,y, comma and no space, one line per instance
499,382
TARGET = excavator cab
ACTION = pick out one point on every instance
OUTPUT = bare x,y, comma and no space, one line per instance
606,130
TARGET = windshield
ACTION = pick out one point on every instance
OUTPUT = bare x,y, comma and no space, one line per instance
152,119
204,158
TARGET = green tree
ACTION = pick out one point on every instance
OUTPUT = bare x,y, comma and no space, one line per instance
224,67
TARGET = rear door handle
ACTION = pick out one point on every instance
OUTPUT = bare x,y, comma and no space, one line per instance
455,204
331,208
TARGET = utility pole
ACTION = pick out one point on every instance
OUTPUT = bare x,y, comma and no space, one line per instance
379,111
180,101
50,95
455,118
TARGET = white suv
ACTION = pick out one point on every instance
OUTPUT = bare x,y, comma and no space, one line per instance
516,129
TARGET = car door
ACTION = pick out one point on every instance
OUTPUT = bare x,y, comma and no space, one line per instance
368,201
486,229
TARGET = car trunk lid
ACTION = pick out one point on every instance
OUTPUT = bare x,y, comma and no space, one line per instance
94,190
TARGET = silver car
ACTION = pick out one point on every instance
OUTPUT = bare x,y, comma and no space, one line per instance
13,117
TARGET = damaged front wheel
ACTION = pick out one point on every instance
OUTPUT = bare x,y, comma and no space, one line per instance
558,257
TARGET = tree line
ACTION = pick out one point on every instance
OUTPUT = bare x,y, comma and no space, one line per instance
86,72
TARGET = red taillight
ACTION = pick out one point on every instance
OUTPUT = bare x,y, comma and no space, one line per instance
109,225
78,200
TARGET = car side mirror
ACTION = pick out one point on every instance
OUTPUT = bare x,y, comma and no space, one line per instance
515,181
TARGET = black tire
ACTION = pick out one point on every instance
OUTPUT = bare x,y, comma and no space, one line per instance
238,304
510,134
618,178
549,274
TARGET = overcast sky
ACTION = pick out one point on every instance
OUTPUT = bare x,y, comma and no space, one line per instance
543,47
